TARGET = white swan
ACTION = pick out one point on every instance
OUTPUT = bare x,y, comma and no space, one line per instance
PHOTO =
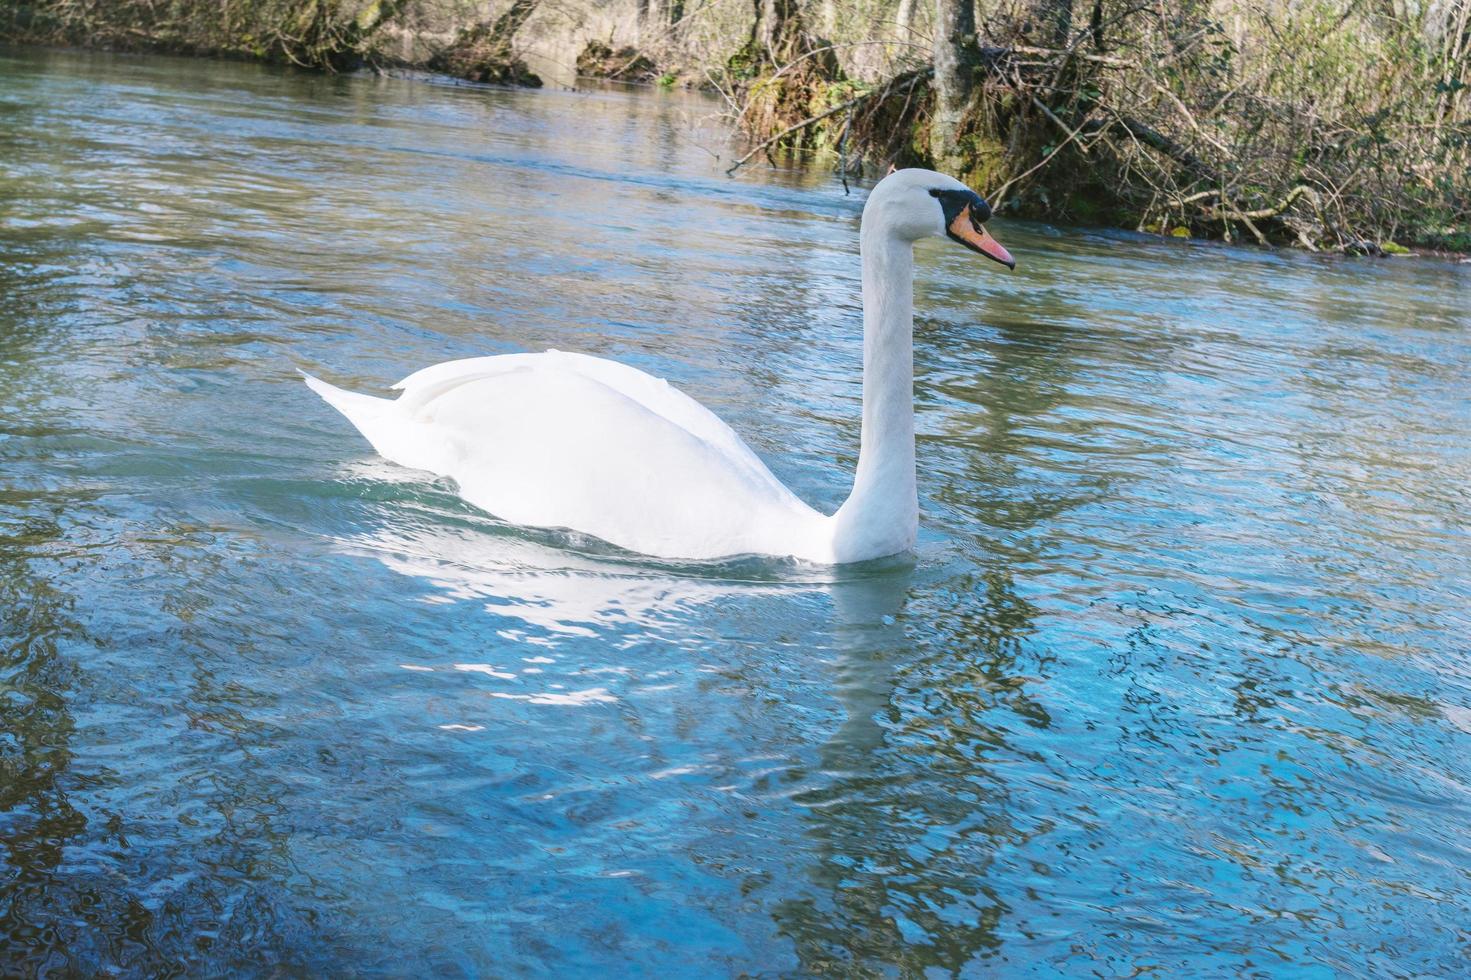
579,442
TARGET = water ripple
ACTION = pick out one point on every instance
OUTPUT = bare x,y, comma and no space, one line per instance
1177,680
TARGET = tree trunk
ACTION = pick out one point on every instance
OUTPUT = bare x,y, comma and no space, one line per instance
776,31
956,58
783,74
904,20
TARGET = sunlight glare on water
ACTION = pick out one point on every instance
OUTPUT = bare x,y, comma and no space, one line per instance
1177,681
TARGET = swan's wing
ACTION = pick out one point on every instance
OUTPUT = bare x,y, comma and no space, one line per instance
424,387
539,444
566,440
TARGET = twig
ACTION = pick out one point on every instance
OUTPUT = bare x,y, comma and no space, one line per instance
789,131
843,152
1073,134
1097,59
836,47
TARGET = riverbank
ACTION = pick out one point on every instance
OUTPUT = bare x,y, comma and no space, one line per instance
1349,132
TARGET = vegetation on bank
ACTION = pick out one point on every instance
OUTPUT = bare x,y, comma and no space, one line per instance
325,34
1322,123
485,51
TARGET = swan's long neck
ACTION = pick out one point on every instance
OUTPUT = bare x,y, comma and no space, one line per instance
881,515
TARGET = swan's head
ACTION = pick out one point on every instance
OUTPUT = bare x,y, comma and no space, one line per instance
914,204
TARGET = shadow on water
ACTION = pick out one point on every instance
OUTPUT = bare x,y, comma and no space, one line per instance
897,878
37,818
79,880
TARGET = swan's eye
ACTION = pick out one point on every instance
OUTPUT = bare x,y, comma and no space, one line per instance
953,202
965,217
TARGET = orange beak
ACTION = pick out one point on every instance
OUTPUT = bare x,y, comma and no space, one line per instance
974,236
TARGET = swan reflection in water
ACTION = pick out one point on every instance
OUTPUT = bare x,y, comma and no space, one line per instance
562,584
551,592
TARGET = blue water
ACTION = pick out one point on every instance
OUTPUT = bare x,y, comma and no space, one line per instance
1178,681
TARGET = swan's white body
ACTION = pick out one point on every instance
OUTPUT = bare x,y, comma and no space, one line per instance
573,441
568,440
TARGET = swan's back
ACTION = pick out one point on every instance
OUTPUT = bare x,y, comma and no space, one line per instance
654,394
568,440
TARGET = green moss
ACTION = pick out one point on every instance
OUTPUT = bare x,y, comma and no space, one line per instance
986,160
744,63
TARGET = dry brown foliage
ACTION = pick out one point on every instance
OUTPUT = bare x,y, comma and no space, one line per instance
1325,123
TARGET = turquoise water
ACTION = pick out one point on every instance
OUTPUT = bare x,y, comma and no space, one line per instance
1177,682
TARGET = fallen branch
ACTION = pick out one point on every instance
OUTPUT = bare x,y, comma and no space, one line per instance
843,152
1159,142
1271,212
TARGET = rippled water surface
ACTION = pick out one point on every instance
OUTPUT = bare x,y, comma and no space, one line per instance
1178,681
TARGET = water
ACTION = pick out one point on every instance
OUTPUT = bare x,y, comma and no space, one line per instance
1178,680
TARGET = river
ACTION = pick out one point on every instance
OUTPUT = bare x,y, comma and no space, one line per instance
1178,679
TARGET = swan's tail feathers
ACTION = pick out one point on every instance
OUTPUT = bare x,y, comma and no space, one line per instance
375,418
361,410
383,423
